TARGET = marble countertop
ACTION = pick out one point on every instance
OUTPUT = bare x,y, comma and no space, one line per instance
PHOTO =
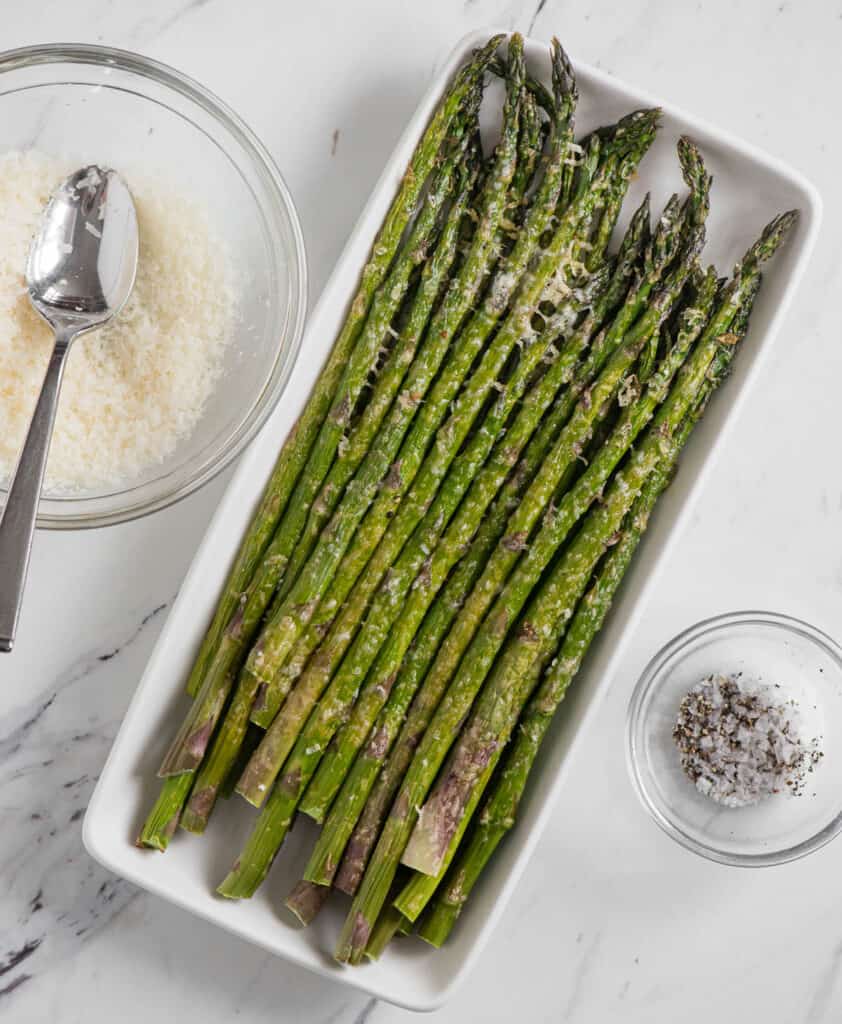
612,920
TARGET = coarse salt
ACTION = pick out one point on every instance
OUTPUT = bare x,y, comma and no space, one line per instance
742,742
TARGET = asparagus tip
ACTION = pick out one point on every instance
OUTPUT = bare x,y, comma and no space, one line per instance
564,78
770,239
696,176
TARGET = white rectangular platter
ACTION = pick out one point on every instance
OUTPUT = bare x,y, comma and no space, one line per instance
749,188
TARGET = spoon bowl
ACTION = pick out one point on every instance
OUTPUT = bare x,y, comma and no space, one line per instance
80,271
82,264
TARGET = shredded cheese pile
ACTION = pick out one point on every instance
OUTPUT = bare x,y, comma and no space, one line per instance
135,388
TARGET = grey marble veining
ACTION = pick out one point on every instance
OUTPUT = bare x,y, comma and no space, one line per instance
611,922
52,748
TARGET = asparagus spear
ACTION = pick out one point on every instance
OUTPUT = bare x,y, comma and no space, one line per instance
415,895
389,924
189,745
318,674
341,630
530,144
306,900
469,344
297,446
564,456
416,554
357,781
399,825
500,811
163,818
417,892
357,786
556,468
696,206
441,813
266,763
275,819
308,510
443,556
529,150
226,744
421,887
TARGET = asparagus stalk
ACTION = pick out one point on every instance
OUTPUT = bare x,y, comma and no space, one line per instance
500,811
267,761
565,454
227,743
415,895
163,818
299,531
483,650
436,740
297,446
529,150
469,344
416,557
341,630
530,145
337,769
188,748
697,207
306,900
436,567
276,817
248,745
441,814
317,675
355,792
390,923
557,467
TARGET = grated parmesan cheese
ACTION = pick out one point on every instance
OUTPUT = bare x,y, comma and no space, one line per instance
135,388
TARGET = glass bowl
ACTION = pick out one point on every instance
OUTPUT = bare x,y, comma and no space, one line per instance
95,104
765,648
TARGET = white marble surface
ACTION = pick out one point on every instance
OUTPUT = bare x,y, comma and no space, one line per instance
612,921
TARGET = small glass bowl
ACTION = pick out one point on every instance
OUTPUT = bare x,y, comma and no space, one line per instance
765,648
93,104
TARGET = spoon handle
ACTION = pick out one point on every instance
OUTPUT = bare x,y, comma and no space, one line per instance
17,523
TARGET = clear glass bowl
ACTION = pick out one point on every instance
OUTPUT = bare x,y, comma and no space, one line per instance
95,104
764,647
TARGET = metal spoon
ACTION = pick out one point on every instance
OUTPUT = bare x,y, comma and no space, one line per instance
80,271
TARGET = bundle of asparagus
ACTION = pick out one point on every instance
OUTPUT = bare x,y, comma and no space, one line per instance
451,517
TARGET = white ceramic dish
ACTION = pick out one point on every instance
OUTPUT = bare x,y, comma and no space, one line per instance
749,188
